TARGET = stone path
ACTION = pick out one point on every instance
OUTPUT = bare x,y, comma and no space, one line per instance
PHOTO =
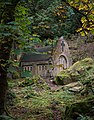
52,84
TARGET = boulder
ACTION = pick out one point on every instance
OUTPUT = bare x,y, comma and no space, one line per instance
82,71
74,87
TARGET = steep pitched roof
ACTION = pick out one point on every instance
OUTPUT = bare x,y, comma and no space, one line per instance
38,56
44,49
32,57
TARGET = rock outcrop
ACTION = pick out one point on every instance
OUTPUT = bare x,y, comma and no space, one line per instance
81,70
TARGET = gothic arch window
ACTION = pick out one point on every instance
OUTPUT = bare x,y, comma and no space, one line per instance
63,61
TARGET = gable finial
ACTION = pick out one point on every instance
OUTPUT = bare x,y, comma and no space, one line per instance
61,38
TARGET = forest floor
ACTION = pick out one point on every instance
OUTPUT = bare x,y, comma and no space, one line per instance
20,103
53,86
40,100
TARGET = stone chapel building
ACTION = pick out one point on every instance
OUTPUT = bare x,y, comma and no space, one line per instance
47,61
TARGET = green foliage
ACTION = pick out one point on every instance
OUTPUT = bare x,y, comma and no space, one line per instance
79,110
36,82
23,19
4,117
44,98
27,82
9,30
86,9
80,71
26,73
41,104
52,20
62,79
43,20
44,103
84,118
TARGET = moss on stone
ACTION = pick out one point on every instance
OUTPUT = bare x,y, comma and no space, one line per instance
62,78
79,65
81,70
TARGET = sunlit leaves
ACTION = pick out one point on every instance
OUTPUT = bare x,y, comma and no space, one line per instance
60,11
86,8
54,20
23,19
9,30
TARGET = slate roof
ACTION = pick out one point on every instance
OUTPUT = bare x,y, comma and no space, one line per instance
38,56
32,57
44,49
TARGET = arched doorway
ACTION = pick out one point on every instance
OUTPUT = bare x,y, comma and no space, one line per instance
62,63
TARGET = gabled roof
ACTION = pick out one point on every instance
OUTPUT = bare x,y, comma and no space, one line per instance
44,49
38,56
32,57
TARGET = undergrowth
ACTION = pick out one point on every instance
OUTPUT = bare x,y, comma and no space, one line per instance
36,101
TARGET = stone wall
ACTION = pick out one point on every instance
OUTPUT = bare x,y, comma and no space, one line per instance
81,47
61,56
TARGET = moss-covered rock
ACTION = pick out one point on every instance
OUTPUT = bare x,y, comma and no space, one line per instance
81,70
63,78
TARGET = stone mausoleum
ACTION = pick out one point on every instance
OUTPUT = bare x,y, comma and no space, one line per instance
47,61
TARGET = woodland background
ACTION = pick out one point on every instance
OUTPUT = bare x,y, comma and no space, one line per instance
26,23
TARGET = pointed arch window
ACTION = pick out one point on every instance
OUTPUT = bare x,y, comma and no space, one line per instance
63,61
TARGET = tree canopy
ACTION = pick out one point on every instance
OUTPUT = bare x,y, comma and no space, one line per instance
86,9
28,22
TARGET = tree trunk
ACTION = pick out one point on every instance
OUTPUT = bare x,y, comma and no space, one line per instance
5,48
3,88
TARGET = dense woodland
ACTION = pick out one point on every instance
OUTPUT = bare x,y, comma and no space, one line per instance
25,24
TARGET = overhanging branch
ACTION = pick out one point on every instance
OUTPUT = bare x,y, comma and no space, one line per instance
74,8
78,11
